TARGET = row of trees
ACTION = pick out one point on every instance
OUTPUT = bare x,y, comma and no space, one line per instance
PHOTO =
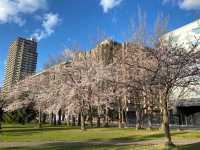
88,88
110,79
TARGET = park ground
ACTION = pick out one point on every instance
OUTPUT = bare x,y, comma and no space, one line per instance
29,137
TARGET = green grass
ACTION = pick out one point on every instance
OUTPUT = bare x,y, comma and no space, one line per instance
85,147
103,147
30,133
27,133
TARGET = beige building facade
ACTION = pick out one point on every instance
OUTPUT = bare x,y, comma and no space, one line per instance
21,61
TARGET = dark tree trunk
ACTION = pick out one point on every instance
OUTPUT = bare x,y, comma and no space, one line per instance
119,117
138,118
44,117
51,118
1,117
149,120
98,121
91,117
126,118
59,117
90,107
54,119
73,121
79,120
106,117
91,121
40,118
123,118
82,122
166,123
68,117
63,116
98,118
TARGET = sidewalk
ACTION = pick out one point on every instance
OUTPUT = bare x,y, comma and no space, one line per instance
149,142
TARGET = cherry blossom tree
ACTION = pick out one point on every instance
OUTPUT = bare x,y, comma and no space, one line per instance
2,105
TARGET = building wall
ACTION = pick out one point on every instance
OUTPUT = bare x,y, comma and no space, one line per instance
21,61
185,35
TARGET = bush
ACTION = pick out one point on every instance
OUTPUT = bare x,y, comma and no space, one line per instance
22,115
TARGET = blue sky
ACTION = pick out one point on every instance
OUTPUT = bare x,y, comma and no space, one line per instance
58,24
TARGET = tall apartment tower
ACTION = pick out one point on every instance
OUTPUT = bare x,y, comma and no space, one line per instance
21,61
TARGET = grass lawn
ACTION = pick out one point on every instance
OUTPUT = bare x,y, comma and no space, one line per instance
30,133
103,147
86,147
27,133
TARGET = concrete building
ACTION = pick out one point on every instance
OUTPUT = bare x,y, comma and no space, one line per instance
185,35
187,107
21,61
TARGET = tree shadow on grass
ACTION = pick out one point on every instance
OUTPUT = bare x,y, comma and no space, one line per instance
33,129
179,132
194,146
138,138
17,127
84,146
67,146
132,138
29,131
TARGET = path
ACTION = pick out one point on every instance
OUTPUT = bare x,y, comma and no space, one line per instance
149,142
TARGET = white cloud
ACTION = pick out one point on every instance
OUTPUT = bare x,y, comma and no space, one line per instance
171,1
13,10
49,23
109,4
190,4
185,4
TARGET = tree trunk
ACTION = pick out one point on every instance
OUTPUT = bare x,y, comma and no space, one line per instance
149,120
91,117
91,121
138,118
1,117
44,117
106,117
126,118
73,121
40,118
79,120
119,118
63,116
123,118
98,121
98,118
82,122
166,124
51,119
68,117
59,117
90,107
54,119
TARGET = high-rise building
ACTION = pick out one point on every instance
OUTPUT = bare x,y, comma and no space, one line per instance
21,61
